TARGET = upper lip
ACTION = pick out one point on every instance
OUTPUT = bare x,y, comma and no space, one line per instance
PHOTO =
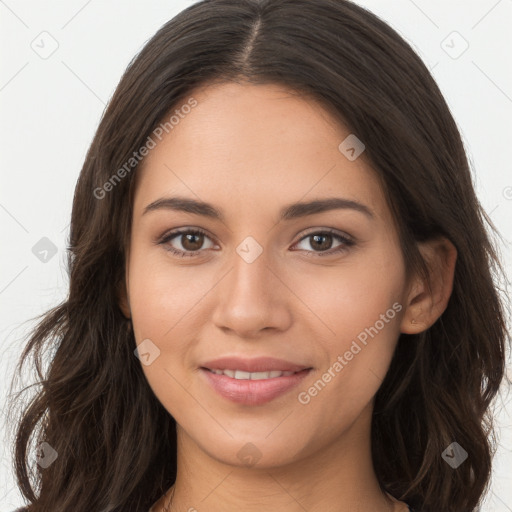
257,364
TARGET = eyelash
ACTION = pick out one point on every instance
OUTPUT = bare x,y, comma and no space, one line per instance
346,242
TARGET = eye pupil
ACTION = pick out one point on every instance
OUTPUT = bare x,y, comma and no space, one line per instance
189,238
322,246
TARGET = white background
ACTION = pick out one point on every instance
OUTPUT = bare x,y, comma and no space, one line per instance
50,109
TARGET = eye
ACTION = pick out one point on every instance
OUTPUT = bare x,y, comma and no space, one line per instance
321,242
190,240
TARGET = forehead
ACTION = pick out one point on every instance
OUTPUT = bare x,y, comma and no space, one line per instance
255,147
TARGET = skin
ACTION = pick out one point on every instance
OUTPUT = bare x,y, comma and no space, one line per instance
249,150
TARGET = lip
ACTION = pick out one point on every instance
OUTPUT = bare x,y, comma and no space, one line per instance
258,364
253,392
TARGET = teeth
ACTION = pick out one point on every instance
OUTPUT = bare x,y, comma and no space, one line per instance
241,375
261,375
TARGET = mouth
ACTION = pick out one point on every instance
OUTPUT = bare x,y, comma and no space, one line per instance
252,382
241,375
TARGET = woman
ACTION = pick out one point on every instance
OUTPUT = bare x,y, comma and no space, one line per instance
281,291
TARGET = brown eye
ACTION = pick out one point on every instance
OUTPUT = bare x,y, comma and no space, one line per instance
189,242
321,243
192,242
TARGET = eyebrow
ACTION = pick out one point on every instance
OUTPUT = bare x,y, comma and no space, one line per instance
288,212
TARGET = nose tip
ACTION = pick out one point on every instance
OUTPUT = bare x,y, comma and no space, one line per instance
250,298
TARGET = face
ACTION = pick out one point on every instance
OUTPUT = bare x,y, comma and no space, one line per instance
317,290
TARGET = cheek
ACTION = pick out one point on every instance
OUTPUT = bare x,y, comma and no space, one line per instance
166,302
161,300
347,298
358,304
358,359
161,294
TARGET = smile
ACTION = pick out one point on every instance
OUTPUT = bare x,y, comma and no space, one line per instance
242,375
252,388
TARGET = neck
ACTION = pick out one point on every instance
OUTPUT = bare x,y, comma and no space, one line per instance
338,478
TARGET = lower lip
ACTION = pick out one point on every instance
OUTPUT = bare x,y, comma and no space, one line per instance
253,392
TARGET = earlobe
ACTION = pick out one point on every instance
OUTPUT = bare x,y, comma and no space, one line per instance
425,304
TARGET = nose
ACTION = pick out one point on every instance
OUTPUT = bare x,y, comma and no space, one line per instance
252,297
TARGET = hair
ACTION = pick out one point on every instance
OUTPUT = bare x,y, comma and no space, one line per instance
116,443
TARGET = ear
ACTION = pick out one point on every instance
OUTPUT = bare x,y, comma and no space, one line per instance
426,304
123,299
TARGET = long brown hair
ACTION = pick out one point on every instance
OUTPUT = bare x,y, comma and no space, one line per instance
115,443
